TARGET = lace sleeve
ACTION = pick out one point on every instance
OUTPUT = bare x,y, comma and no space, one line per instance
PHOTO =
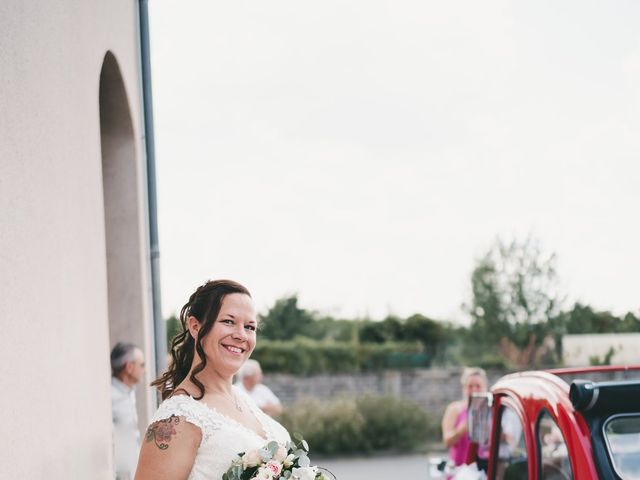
189,409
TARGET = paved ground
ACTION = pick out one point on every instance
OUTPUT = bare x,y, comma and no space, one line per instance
406,467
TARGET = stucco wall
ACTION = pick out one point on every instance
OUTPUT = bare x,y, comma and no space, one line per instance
581,349
56,413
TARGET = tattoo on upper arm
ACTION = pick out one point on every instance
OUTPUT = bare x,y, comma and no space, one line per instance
162,431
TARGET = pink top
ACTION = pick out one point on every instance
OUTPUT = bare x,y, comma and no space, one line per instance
458,451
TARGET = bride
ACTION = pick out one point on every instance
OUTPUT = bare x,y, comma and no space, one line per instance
204,421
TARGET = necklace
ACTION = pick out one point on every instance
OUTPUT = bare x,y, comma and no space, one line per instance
234,399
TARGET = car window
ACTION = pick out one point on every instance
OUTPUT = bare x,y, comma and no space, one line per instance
554,455
511,462
622,433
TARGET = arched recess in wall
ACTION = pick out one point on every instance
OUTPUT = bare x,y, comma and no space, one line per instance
123,213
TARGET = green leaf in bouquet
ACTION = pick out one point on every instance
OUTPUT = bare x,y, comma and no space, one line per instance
304,461
272,447
248,474
265,454
298,436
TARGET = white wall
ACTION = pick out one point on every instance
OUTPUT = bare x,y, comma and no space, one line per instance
55,330
577,349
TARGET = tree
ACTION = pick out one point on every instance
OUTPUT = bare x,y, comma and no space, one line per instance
391,329
285,320
430,333
371,332
583,319
515,300
332,329
173,329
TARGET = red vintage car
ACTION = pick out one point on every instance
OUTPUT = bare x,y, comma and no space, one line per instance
536,425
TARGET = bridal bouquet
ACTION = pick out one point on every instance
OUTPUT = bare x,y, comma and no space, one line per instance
275,462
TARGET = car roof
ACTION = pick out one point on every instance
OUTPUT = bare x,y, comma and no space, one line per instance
541,386
546,387
594,369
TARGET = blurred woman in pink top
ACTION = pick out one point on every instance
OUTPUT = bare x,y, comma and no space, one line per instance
454,421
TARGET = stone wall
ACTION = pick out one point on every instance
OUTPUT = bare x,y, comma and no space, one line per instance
431,388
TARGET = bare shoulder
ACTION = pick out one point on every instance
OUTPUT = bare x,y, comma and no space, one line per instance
452,411
169,449
456,406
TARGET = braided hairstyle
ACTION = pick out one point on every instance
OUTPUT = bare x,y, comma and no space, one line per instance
204,304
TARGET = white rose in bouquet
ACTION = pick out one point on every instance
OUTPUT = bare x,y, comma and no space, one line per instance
251,459
304,473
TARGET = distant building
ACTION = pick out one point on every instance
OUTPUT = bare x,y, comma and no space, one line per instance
74,255
580,350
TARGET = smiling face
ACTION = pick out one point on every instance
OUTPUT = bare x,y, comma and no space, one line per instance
232,337
474,384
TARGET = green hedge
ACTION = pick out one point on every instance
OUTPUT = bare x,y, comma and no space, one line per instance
305,356
360,425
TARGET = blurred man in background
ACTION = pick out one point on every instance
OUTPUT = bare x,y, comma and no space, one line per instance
127,369
250,376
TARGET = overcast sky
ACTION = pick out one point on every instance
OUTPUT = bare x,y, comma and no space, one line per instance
364,153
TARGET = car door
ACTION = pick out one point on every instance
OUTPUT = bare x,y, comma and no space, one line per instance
510,458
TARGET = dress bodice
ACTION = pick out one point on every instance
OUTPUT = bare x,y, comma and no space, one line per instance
222,437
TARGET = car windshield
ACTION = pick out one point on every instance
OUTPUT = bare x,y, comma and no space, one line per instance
623,441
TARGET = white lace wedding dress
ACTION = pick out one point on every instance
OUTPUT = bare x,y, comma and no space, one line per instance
222,437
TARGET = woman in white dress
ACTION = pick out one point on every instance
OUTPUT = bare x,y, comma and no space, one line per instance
204,421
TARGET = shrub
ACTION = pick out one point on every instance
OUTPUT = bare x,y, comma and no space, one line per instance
303,356
330,428
392,423
359,425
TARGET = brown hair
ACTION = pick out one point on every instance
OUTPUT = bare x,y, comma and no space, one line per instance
204,304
